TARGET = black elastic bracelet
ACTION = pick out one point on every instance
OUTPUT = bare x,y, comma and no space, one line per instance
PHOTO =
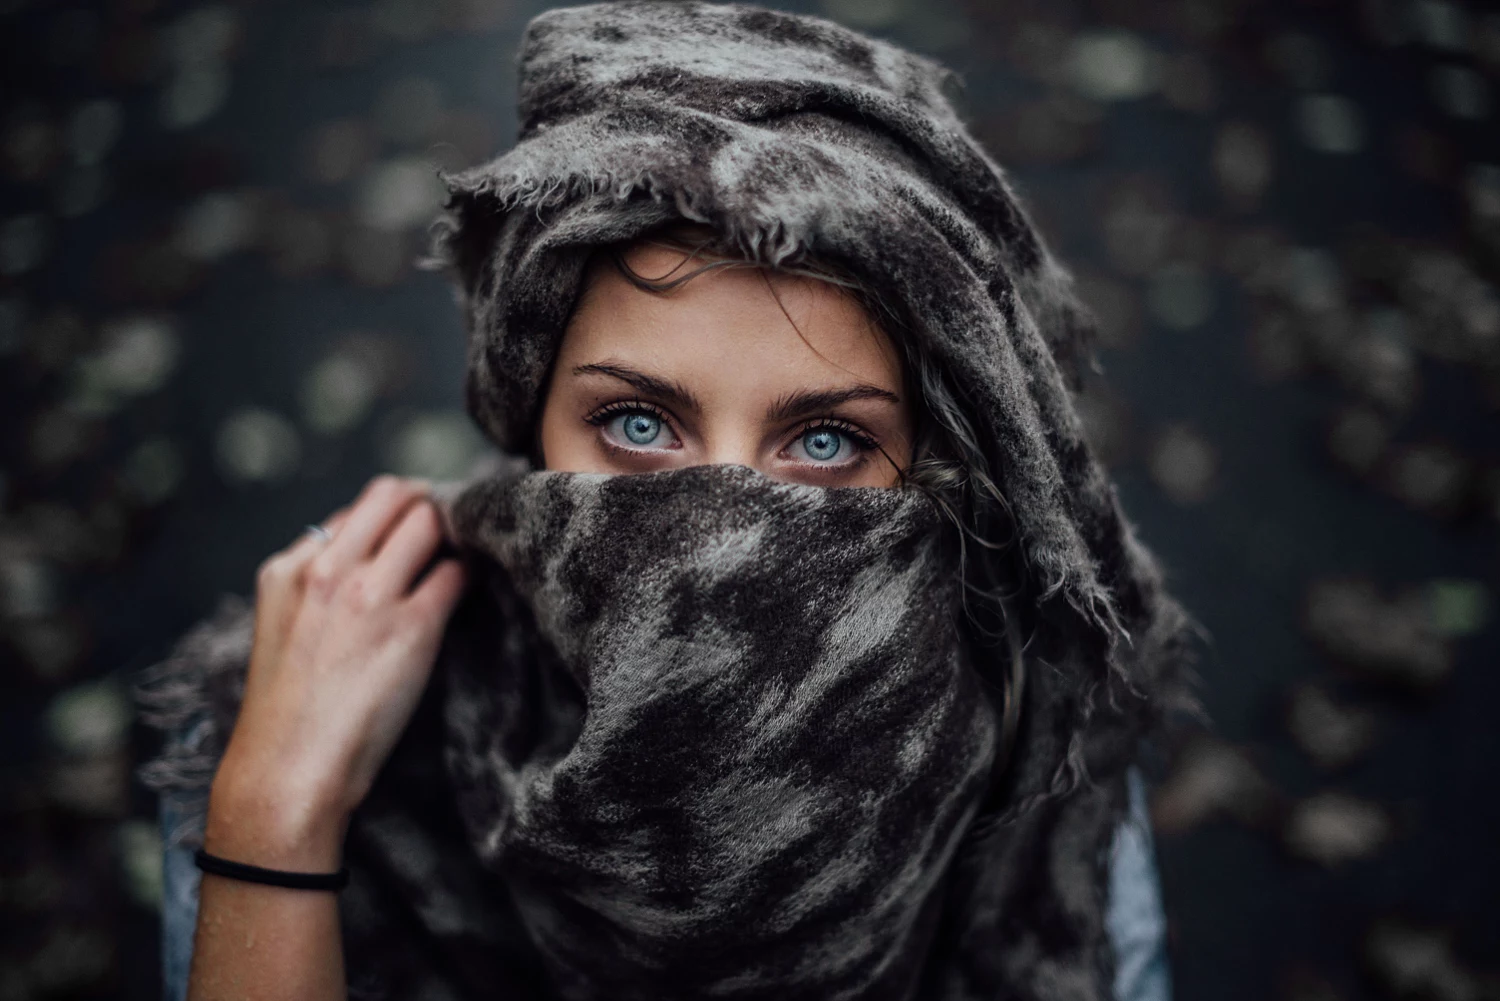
270,877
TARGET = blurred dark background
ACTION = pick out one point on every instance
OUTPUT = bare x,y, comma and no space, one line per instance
1286,213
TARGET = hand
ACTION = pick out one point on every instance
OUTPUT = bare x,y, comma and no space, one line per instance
345,638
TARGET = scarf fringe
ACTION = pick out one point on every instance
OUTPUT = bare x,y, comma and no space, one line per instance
193,697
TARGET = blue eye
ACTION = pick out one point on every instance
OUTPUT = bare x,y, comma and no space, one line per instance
822,444
640,428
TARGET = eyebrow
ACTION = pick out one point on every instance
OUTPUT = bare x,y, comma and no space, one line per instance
814,401
671,392
799,404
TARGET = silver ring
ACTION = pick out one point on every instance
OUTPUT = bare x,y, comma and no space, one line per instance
321,532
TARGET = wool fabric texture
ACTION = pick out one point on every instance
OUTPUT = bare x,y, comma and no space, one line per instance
697,734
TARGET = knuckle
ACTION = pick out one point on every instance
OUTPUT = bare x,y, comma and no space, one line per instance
322,578
358,594
375,490
425,517
271,572
386,486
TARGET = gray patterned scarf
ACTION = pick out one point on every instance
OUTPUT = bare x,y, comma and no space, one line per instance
699,734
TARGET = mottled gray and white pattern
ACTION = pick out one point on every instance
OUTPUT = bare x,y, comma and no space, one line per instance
774,759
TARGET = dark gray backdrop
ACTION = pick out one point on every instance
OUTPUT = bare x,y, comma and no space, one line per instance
1287,214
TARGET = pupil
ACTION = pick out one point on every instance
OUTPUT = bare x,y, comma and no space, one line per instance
642,429
821,445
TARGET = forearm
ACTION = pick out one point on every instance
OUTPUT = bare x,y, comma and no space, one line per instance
257,942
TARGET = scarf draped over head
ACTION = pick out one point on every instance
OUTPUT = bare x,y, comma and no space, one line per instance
697,734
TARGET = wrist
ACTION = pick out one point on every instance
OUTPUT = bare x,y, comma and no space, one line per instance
274,821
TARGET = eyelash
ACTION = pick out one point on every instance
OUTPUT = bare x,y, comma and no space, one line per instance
861,439
619,408
853,432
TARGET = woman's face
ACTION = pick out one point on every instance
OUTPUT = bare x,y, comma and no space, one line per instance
716,371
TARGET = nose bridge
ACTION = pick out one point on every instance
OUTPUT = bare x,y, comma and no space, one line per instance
731,439
730,429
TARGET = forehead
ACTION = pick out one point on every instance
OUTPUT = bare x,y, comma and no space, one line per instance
771,322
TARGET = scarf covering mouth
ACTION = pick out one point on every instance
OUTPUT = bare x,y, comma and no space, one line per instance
779,741
696,734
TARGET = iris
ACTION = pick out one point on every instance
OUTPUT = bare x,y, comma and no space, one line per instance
641,428
822,444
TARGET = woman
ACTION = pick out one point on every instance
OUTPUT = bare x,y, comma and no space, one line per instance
835,694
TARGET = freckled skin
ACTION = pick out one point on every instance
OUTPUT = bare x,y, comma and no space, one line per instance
723,338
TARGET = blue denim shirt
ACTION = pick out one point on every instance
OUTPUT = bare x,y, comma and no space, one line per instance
1136,923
